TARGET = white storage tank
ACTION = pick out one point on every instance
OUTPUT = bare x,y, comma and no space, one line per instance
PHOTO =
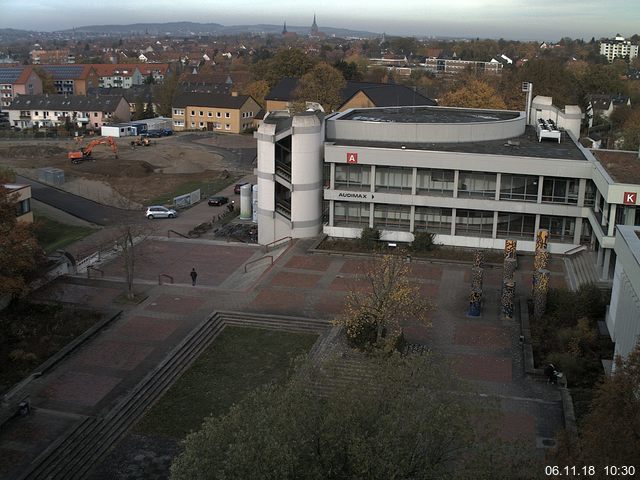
254,202
245,202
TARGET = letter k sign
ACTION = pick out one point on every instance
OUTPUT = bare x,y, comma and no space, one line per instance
630,198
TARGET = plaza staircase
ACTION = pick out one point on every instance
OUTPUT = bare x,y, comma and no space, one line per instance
582,271
82,447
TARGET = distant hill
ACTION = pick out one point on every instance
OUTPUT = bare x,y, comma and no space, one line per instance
193,28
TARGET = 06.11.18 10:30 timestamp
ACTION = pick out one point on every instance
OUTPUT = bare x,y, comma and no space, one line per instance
590,470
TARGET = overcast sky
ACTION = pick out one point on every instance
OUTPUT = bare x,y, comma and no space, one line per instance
509,19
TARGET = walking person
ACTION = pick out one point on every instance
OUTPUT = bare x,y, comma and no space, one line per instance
194,275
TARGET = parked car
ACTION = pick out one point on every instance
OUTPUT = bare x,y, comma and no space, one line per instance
158,211
236,189
167,132
217,201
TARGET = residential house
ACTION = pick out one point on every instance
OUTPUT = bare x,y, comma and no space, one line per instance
22,80
158,71
445,64
354,95
118,75
604,105
214,112
60,56
90,112
72,79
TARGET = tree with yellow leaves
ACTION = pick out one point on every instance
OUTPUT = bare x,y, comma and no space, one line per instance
373,316
473,94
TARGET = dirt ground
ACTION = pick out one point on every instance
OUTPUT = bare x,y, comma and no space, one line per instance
137,175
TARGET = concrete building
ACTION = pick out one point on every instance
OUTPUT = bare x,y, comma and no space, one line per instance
72,79
623,315
618,47
21,196
472,177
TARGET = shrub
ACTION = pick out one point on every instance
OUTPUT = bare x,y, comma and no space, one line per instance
423,242
369,237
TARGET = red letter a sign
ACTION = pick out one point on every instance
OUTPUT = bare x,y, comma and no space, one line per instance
352,158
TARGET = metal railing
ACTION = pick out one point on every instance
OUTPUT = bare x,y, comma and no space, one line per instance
579,248
275,242
169,232
164,275
90,268
270,257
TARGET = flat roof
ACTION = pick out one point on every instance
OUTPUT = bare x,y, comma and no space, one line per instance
427,114
526,145
622,166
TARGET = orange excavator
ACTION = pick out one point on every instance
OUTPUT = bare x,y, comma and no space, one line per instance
84,153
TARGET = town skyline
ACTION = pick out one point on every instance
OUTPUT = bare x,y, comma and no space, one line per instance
508,19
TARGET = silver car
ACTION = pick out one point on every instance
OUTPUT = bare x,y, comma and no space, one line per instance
158,211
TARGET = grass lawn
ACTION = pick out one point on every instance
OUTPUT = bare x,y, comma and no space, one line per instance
237,362
53,235
207,188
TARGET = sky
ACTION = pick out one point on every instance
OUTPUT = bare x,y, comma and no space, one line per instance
547,20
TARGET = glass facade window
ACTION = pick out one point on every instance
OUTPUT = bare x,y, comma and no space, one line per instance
435,182
516,225
350,214
393,179
474,223
519,187
352,177
561,229
392,217
560,190
477,184
590,194
23,207
433,219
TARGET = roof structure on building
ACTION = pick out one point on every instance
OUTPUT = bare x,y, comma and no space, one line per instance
525,145
111,69
216,100
97,103
622,166
67,72
14,75
428,115
381,94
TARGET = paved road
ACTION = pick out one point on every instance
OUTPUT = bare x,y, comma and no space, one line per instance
80,207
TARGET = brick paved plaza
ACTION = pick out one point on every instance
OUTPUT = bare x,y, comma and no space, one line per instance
483,350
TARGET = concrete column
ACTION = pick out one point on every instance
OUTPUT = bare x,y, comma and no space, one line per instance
332,180
498,182
596,206
494,232
371,205
540,185
577,233
536,225
612,219
599,256
453,221
582,189
605,214
456,177
373,179
331,211
604,275
412,216
414,182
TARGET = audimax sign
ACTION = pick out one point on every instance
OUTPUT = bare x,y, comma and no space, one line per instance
359,196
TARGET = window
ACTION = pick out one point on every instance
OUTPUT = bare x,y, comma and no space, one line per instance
201,124
561,229
560,190
590,194
227,115
95,114
201,113
393,179
350,214
218,115
474,223
435,182
353,177
35,114
477,184
516,225
519,187
433,220
178,111
392,217
23,207
193,113
227,126
209,114
193,124
178,123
